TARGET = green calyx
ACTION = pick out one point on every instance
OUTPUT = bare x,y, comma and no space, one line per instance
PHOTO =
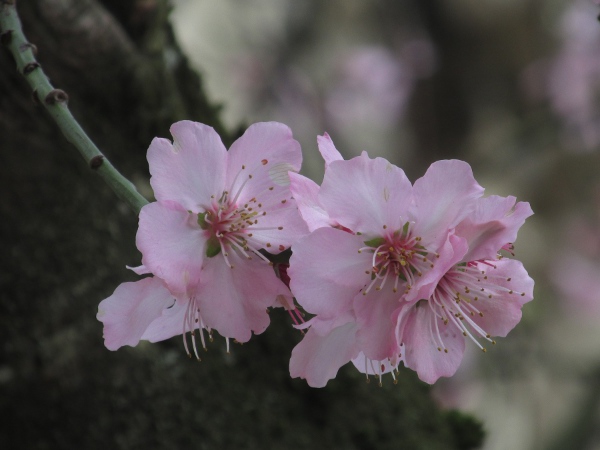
375,242
403,232
213,247
202,221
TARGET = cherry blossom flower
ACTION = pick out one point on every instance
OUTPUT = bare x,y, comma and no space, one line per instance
397,272
480,296
390,244
202,239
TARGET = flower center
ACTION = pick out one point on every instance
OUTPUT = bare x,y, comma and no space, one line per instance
229,226
399,256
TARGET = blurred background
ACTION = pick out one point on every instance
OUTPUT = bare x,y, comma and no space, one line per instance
511,87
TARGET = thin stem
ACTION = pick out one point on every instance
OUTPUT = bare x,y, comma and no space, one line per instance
55,102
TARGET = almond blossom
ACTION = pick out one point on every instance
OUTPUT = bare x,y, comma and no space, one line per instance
479,297
203,240
390,244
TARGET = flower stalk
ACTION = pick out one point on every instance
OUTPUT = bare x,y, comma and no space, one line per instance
55,102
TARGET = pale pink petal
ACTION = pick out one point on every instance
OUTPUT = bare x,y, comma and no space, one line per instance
494,223
443,196
370,367
306,194
323,326
328,150
131,309
191,169
169,323
279,228
140,270
318,358
421,343
258,180
259,161
451,253
365,194
234,301
172,244
376,327
326,271
502,312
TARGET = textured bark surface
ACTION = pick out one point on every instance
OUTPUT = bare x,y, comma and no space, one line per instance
66,239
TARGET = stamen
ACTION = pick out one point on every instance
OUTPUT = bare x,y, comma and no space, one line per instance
202,336
225,257
194,344
291,313
455,294
184,331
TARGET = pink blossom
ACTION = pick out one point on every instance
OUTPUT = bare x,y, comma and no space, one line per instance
480,296
202,238
391,244
386,262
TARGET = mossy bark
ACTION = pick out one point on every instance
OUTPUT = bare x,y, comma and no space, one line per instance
66,240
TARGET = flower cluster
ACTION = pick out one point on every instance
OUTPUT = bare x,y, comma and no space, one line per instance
399,272
390,271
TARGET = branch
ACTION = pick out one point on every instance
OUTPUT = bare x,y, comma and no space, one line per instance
55,101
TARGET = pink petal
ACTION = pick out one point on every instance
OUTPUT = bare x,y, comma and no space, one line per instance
421,344
169,323
234,301
494,223
327,271
451,253
172,244
258,169
502,312
370,367
279,228
322,326
191,169
131,309
306,194
318,358
261,159
328,150
376,327
443,197
140,270
365,194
